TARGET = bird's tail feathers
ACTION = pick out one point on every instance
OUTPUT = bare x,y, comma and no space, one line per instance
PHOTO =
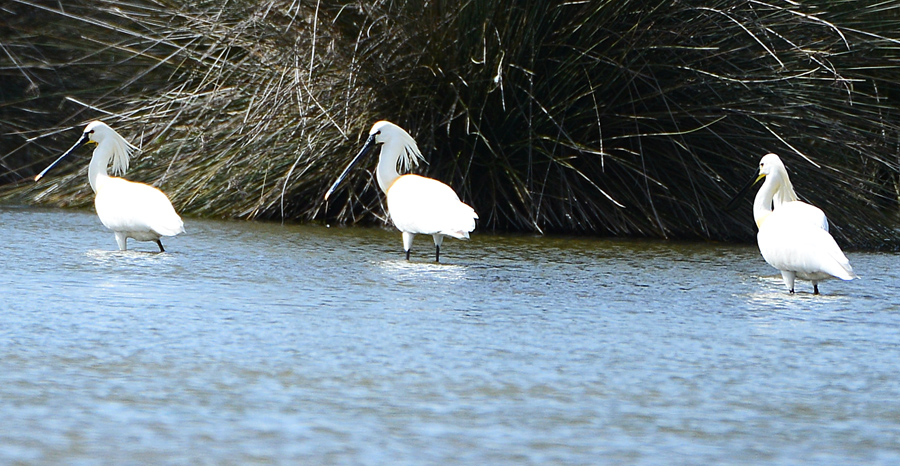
170,230
841,268
458,234
460,222
849,274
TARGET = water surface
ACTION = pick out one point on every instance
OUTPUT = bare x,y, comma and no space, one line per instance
250,343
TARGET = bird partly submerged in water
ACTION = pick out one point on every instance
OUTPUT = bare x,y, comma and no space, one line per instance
129,209
793,235
416,204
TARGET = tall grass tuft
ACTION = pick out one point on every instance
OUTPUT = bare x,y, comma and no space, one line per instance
631,118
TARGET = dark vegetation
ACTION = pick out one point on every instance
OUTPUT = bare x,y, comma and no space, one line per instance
630,118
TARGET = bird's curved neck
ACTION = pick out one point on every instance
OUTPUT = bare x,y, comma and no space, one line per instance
386,172
97,171
762,203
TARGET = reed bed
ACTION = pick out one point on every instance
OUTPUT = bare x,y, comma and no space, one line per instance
625,118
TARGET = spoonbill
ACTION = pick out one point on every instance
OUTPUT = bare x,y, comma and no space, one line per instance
416,204
793,235
129,209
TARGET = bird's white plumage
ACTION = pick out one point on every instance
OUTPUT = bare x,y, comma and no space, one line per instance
425,206
793,236
129,209
141,210
808,252
804,212
416,205
785,200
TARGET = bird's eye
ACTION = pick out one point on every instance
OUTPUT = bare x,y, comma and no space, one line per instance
91,132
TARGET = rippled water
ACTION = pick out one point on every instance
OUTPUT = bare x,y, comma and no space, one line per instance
253,343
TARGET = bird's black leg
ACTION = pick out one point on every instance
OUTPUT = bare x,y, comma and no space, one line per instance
161,248
792,291
407,254
815,288
437,253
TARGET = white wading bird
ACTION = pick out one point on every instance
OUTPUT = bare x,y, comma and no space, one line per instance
131,210
793,237
417,205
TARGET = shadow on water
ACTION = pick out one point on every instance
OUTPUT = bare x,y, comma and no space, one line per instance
403,270
130,257
264,343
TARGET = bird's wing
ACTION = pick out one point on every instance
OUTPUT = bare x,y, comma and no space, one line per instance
793,244
425,206
806,212
123,205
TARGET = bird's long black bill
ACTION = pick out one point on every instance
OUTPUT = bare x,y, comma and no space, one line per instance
370,143
84,138
743,192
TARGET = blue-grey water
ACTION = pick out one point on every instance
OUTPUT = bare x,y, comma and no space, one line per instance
252,343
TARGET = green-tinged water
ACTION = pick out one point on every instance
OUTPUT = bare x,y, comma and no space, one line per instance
253,343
